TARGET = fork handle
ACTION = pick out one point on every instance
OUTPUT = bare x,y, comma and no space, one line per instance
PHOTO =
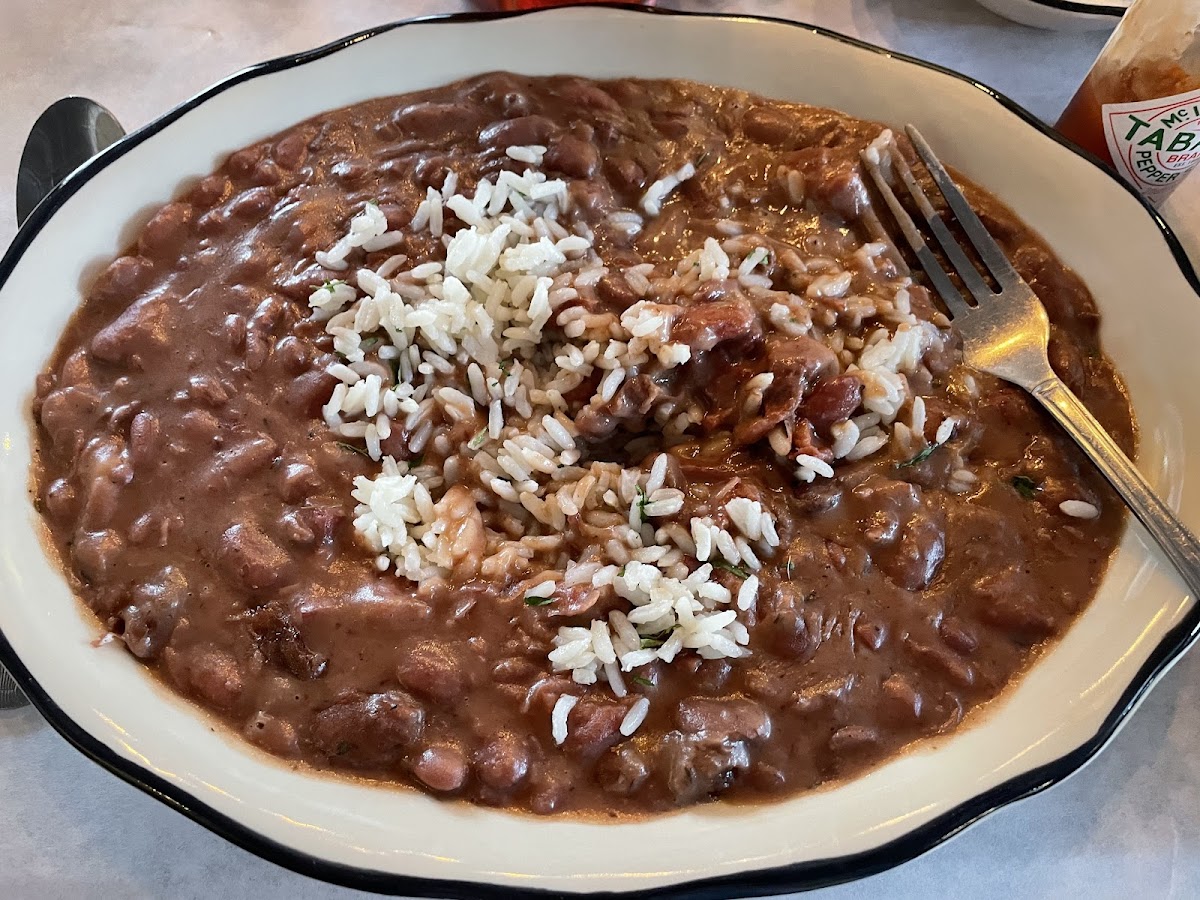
1180,545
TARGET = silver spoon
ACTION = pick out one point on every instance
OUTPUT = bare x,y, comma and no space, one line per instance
69,133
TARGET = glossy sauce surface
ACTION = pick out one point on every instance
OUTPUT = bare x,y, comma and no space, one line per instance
202,508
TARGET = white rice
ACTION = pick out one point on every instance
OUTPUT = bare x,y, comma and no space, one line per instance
658,192
558,717
488,343
635,717
1079,509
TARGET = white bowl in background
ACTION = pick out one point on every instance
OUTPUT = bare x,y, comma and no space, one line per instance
1040,731
1061,15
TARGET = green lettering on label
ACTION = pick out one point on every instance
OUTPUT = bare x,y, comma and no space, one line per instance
1184,140
1155,139
1137,123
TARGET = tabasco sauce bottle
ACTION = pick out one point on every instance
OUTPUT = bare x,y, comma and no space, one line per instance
1139,108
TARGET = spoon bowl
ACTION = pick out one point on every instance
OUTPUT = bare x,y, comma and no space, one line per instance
69,133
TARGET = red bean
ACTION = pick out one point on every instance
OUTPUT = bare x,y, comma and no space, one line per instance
851,738
251,205
769,125
433,121
267,173
378,605
60,500
273,734
165,233
293,354
574,157
502,762
210,672
623,770
593,726
290,150
587,95
140,329
251,559
435,671
442,768
870,634
208,391
69,414
95,553
210,191
124,279
297,481
942,661
153,613
257,351
733,719
372,730
521,131
958,635
900,700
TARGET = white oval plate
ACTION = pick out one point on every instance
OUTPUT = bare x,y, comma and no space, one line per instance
399,841
1061,15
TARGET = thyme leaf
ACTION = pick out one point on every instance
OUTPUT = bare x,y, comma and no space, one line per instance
739,571
1025,486
920,457
538,601
643,499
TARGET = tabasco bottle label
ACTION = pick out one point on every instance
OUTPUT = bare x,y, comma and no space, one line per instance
1154,143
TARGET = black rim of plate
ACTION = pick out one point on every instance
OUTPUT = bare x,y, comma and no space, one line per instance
778,880
1091,9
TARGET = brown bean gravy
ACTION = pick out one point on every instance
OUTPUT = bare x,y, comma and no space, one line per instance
203,503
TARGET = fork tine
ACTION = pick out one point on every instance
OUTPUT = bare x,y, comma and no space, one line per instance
966,270
985,245
937,275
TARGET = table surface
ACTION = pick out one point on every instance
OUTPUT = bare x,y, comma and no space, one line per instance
1128,825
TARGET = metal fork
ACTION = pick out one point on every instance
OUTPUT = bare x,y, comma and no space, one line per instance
10,695
1005,333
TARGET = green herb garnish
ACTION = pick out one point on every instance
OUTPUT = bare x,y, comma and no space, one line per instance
643,681
1026,487
332,283
652,642
538,601
643,499
504,365
920,457
476,442
361,451
730,567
